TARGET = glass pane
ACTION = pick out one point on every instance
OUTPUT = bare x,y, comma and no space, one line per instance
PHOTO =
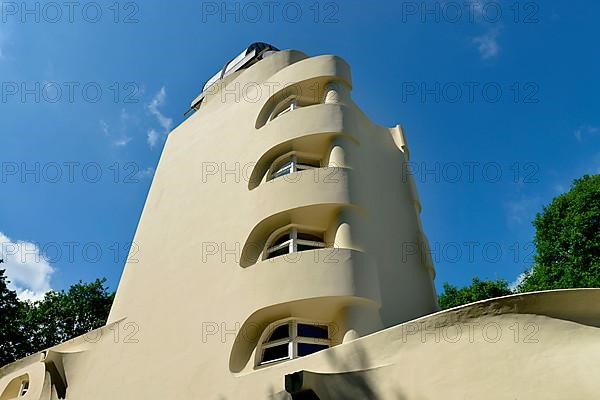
212,80
304,167
24,388
313,331
284,170
280,174
305,247
233,63
306,164
305,349
285,110
281,332
281,239
275,353
308,236
280,252
284,167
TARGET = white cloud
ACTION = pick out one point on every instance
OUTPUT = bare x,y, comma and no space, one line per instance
153,137
105,127
595,165
523,210
3,42
125,116
158,101
586,130
487,44
6,35
559,188
145,173
29,271
165,123
488,17
122,142
514,285
119,140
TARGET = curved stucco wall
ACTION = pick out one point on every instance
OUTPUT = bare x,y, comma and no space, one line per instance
542,345
200,211
186,290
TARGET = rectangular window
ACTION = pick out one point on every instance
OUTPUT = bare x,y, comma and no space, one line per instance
313,331
276,353
24,388
305,349
292,162
293,242
293,339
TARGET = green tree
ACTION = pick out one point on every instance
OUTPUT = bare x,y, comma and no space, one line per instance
88,306
478,290
28,327
61,316
11,333
567,240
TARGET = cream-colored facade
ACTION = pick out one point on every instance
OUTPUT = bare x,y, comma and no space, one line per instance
280,255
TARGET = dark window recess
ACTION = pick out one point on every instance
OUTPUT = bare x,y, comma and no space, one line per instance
313,331
281,332
308,236
281,239
276,353
305,349
280,252
305,247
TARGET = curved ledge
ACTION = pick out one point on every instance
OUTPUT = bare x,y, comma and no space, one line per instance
315,186
317,144
33,370
313,128
308,120
560,355
315,273
577,305
324,282
311,211
305,79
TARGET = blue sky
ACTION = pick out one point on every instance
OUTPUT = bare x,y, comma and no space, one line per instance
500,112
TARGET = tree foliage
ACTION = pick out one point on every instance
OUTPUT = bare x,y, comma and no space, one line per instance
11,335
27,327
478,290
567,240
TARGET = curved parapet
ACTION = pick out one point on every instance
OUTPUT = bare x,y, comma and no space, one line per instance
323,217
28,376
316,145
328,284
44,375
307,81
542,345
316,273
307,121
577,305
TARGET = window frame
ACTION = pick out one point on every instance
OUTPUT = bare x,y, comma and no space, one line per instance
285,106
293,241
293,161
24,389
293,340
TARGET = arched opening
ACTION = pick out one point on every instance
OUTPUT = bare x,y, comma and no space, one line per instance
17,388
292,338
293,239
293,162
